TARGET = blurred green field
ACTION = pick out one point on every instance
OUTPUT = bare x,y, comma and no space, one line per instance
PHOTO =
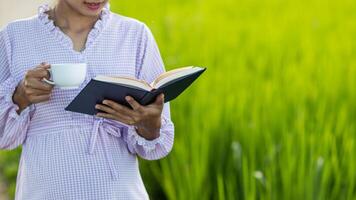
273,117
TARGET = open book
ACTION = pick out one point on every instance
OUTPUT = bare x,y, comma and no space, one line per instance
171,83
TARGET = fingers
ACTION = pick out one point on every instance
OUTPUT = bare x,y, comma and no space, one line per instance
107,115
105,108
133,103
32,91
117,117
159,100
36,95
119,108
37,84
113,112
44,64
41,98
39,72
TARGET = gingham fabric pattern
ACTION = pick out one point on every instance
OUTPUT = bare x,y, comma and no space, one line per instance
68,155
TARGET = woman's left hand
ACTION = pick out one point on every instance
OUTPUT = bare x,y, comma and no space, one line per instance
147,119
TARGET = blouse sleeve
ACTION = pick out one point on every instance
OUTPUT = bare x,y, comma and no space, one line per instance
13,127
150,65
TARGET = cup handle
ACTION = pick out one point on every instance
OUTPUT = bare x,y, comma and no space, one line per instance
49,81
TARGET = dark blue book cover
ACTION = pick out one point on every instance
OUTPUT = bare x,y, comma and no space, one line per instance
96,91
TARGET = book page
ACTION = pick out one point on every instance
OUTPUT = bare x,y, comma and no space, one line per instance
169,73
124,81
174,74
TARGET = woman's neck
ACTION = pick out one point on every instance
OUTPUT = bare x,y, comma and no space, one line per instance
68,20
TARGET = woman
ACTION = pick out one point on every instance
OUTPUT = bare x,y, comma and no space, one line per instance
66,155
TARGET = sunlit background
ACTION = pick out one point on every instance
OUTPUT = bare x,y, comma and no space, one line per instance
273,117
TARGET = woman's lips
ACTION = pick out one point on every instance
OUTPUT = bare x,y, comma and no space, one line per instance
92,6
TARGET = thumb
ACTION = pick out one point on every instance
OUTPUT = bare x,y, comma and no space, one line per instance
45,65
160,99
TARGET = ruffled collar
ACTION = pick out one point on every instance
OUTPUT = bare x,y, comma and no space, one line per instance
93,34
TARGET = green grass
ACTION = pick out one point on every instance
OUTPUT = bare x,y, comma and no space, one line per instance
274,116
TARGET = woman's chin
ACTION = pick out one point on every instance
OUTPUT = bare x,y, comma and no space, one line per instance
89,13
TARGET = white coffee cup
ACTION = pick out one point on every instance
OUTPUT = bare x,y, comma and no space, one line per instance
67,76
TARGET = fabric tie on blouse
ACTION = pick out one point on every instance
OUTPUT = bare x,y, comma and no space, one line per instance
104,129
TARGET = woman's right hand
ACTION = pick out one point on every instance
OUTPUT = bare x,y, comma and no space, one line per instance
32,89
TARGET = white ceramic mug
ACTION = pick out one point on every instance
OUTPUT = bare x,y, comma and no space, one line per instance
67,76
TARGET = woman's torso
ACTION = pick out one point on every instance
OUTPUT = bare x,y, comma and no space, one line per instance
55,150
112,49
